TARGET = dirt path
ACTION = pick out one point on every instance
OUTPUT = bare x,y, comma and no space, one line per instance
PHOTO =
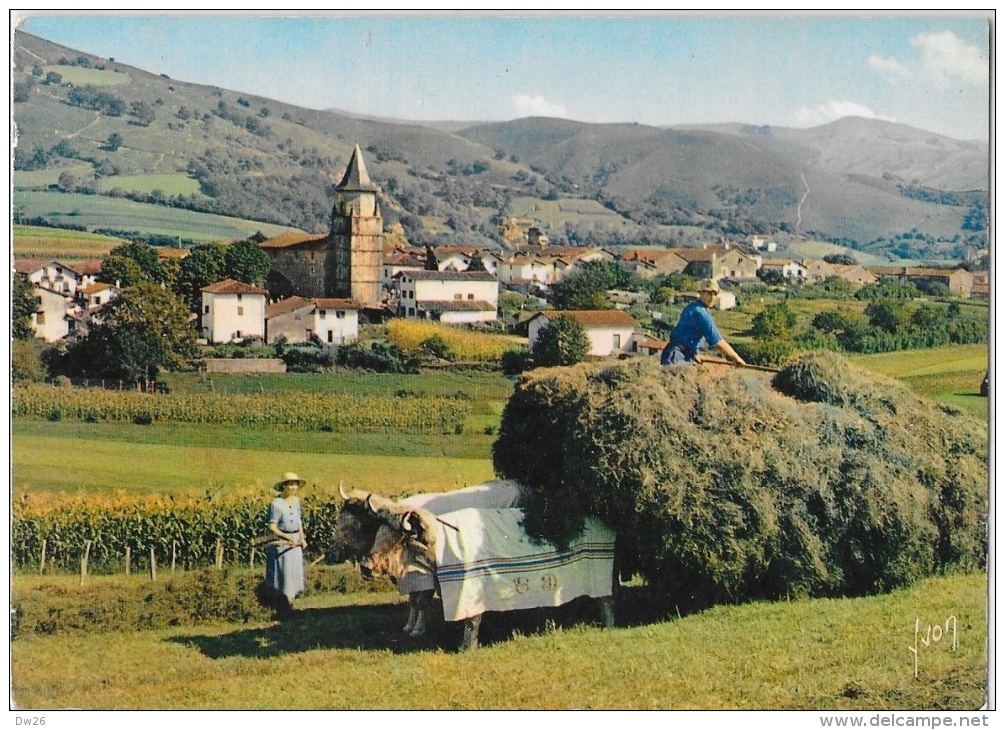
799,208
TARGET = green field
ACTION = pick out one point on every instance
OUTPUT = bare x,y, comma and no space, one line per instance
344,652
169,185
556,213
95,211
35,242
30,179
819,249
79,76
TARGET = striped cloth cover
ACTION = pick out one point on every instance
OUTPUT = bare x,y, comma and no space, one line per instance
489,564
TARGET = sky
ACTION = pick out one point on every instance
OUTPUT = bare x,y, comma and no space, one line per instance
930,71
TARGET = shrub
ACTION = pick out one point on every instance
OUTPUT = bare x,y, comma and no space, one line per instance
727,485
144,418
55,414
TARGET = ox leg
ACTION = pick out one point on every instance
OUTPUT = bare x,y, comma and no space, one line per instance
413,610
423,605
607,611
470,639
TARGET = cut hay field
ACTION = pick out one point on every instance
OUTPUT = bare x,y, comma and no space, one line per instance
343,652
36,242
96,211
559,212
167,184
80,76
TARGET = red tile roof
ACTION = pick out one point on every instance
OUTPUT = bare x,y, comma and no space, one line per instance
230,286
594,317
286,240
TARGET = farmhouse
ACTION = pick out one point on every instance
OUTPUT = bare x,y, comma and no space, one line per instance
719,262
397,263
652,262
295,319
97,295
959,282
610,331
344,263
55,276
52,320
858,275
786,267
233,310
448,296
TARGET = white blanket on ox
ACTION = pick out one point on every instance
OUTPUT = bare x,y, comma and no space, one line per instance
490,564
501,493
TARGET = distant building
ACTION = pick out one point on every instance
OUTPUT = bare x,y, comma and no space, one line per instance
610,331
233,310
448,296
333,321
344,263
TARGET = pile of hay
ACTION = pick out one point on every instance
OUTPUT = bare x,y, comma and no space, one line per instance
727,484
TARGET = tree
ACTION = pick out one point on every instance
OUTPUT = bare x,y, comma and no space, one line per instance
840,258
561,342
121,271
775,322
114,142
53,79
144,330
886,315
203,266
431,263
246,261
22,91
143,112
23,308
145,257
26,361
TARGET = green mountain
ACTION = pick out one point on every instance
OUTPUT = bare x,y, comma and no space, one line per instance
92,126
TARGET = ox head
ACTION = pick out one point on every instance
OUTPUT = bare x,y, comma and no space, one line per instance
404,543
356,526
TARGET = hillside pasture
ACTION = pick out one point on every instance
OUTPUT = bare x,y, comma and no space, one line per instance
556,213
42,179
168,184
818,249
61,244
95,211
80,76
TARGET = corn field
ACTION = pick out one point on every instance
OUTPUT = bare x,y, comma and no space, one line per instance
328,412
463,345
49,531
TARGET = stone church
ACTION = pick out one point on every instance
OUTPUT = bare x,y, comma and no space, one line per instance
346,262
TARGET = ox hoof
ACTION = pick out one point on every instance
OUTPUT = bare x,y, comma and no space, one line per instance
417,633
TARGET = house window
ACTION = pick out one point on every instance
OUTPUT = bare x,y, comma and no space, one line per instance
331,336
97,301
340,315
206,308
40,318
617,342
322,313
471,296
239,297
457,296
310,333
240,311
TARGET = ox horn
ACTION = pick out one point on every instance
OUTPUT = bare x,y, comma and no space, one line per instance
342,492
406,522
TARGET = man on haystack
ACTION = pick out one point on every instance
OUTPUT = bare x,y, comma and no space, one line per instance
694,325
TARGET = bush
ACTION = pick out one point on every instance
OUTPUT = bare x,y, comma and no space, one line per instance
140,419
55,414
726,485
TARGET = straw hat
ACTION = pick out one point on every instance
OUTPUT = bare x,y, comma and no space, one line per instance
709,285
288,478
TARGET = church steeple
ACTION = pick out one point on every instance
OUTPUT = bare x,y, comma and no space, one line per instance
357,235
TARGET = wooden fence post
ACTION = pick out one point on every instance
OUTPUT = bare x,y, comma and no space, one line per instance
129,555
83,561
174,554
41,562
219,553
251,559
153,564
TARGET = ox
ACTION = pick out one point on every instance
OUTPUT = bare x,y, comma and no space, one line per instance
480,558
363,513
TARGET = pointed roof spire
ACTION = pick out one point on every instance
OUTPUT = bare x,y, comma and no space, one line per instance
356,178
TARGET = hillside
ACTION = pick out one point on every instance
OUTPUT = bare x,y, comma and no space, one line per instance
88,125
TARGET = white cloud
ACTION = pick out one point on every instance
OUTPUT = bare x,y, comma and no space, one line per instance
890,68
535,105
945,58
834,109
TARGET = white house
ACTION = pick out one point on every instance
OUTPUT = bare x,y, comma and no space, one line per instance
786,267
97,295
53,310
610,331
334,321
233,310
449,296
396,264
54,276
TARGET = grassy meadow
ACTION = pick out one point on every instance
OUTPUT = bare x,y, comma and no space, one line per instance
36,242
343,652
95,211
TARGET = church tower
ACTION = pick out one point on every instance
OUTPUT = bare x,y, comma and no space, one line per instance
357,236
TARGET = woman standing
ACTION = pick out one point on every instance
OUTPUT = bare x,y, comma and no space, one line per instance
284,565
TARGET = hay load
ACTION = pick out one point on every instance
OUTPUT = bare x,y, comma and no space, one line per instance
727,484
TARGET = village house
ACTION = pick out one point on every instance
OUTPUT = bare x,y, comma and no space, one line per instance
97,295
959,281
448,296
52,320
609,331
55,276
789,269
818,270
232,310
395,264
856,274
296,319
649,263
719,262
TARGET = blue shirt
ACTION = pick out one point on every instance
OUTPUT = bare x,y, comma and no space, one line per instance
694,325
